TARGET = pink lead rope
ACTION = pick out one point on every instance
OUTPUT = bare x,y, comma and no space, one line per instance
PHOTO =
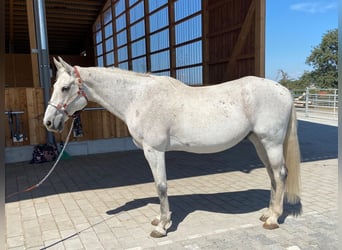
50,171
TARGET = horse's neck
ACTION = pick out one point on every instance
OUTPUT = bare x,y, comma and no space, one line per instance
113,91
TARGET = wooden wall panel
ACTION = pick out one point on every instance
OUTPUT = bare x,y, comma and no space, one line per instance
120,128
92,123
234,39
18,70
109,124
35,113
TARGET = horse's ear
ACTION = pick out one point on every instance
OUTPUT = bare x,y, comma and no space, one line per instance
66,66
57,64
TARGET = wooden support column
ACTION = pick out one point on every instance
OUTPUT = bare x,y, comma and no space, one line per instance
205,42
147,36
172,37
33,43
10,26
129,40
2,128
115,42
260,10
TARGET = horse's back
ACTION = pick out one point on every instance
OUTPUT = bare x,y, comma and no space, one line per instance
251,96
214,118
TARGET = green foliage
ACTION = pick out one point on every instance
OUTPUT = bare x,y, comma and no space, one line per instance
323,59
304,81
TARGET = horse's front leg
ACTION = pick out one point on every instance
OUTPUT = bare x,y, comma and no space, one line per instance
156,160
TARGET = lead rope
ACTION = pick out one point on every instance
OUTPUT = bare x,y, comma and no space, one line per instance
50,171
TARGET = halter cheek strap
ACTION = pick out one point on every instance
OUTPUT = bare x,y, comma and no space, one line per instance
79,80
80,93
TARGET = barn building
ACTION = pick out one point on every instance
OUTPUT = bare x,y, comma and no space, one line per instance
200,42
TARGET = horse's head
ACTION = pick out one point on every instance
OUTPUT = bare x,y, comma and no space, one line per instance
67,97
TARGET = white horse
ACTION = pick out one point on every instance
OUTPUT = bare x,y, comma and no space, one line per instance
163,114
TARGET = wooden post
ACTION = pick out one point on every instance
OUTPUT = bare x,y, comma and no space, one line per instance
172,37
115,42
10,26
33,43
147,36
129,40
205,42
2,129
259,61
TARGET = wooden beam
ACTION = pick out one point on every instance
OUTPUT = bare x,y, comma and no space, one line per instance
128,35
217,4
172,38
11,25
259,61
240,42
33,43
66,17
115,42
205,42
223,31
147,36
2,128
70,6
78,2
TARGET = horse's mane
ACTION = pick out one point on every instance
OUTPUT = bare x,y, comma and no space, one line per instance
166,79
128,72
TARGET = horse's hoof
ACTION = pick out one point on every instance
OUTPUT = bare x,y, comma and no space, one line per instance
270,226
157,234
263,218
155,222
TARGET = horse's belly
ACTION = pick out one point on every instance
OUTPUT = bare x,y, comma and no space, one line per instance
201,149
212,139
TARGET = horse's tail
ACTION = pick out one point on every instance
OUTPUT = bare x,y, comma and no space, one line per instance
292,160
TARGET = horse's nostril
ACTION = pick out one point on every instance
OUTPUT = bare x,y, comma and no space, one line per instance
48,123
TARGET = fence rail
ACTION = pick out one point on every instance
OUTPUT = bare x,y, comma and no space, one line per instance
317,103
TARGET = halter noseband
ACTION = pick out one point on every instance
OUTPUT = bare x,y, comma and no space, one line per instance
80,93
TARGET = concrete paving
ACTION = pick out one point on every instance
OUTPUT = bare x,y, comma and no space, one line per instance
107,201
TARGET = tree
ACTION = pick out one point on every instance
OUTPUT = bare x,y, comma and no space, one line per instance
323,59
284,78
292,84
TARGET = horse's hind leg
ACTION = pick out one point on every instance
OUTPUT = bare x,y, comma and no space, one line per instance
264,159
276,159
274,162
156,160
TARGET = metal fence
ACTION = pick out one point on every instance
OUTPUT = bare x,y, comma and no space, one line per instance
317,103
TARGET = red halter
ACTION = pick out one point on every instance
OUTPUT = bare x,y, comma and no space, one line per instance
80,93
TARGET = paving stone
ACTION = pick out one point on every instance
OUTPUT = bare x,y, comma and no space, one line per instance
17,241
216,202
73,243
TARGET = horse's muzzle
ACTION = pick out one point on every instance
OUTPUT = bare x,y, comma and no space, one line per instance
52,127
53,121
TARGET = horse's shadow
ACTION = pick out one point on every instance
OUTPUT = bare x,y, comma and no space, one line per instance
239,202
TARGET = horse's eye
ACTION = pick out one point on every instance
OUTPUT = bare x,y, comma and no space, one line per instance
64,89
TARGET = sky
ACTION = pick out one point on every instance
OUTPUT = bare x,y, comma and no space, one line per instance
293,29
